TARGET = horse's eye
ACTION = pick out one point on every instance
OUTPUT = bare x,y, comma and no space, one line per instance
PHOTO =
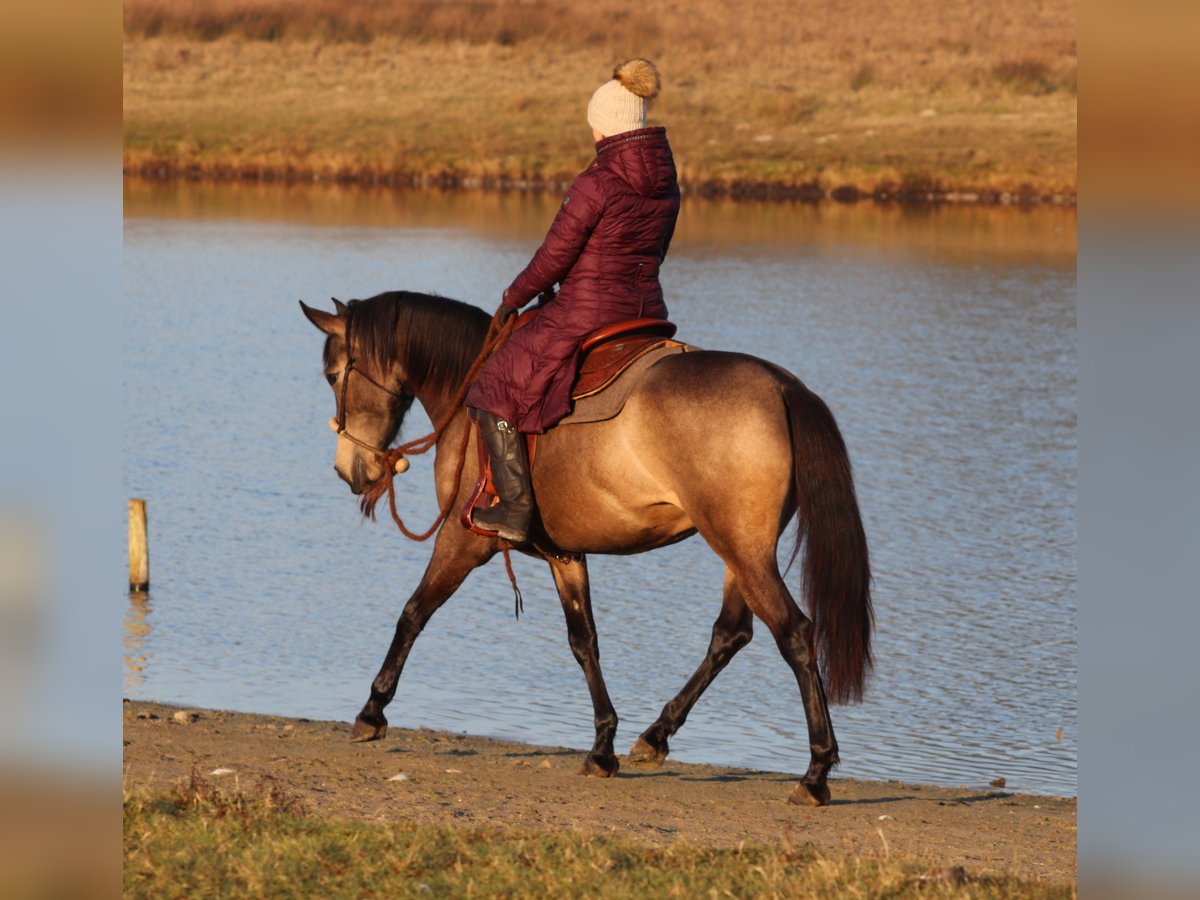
331,377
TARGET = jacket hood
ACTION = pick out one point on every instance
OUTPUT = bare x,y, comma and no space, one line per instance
641,158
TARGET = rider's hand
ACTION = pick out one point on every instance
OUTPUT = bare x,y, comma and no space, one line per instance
504,313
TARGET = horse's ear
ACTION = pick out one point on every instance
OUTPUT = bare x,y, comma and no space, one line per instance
339,306
327,322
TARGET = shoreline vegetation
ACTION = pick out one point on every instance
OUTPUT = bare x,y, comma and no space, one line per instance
833,99
232,803
264,841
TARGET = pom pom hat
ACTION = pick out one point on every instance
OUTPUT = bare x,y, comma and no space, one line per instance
620,105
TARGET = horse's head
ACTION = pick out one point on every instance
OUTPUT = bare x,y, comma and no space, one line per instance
369,395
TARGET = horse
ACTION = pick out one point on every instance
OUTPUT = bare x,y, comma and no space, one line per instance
714,443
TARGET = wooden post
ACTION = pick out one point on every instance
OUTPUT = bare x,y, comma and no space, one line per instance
139,552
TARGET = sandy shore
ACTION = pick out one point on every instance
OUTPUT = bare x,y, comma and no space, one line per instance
455,779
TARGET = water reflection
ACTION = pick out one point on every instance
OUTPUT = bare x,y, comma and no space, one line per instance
954,234
136,650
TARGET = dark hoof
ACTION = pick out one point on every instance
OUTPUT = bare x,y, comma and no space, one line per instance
810,795
365,731
644,753
599,767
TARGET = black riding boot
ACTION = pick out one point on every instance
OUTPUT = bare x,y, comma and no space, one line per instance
510,474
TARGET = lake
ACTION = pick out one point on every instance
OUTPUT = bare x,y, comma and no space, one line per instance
943,340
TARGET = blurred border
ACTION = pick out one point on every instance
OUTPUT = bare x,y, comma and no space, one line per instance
61,511
1139,419
1139,330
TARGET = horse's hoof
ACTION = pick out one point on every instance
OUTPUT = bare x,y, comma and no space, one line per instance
599,767
807,795
365,731
643,753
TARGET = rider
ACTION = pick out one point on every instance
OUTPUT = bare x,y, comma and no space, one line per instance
604,248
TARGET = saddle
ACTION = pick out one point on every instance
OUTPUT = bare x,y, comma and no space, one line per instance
607,354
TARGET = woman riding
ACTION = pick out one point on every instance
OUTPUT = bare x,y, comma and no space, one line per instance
604,248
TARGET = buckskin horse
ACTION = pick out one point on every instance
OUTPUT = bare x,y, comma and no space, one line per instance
722,444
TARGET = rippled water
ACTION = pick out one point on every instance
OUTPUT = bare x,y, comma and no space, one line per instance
942,340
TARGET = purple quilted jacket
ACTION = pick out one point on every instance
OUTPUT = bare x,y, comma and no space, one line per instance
605,248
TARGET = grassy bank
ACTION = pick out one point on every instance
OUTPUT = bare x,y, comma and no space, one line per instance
772,97
200,841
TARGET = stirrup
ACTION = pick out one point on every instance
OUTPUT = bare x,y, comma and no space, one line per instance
515,533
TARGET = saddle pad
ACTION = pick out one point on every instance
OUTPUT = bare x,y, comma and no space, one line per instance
601,365
608,402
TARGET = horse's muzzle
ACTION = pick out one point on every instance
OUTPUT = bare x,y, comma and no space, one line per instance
357,479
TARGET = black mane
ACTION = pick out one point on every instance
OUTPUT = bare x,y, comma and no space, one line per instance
436,339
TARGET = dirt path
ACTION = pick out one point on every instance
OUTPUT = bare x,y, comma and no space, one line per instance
453,779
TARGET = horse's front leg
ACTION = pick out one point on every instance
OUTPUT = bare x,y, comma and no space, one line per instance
455,553
571,579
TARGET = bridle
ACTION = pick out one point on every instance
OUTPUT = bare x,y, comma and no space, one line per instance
394,461
341,416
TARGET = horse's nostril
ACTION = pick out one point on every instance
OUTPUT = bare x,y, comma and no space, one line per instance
359,470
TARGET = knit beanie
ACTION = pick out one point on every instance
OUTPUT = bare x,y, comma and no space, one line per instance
620,105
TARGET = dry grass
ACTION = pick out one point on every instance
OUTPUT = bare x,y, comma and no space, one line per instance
967,96
1031,76
504,22
201,841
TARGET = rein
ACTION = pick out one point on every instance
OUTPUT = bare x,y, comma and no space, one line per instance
497,334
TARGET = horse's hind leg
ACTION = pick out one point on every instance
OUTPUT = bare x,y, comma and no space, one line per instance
730,633
769,599
571,579
455,553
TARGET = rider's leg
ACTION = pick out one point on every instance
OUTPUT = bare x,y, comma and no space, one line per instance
510,473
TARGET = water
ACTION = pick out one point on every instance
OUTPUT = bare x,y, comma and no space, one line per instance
942,340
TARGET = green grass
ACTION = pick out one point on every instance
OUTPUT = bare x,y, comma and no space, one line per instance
200,841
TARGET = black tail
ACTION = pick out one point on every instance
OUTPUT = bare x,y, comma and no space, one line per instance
836,568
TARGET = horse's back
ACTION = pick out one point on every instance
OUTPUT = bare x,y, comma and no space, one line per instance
716,377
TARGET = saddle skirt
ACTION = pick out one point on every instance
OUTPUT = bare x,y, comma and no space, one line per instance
600,390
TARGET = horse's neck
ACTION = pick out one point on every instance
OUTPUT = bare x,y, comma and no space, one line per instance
440,401
438,405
